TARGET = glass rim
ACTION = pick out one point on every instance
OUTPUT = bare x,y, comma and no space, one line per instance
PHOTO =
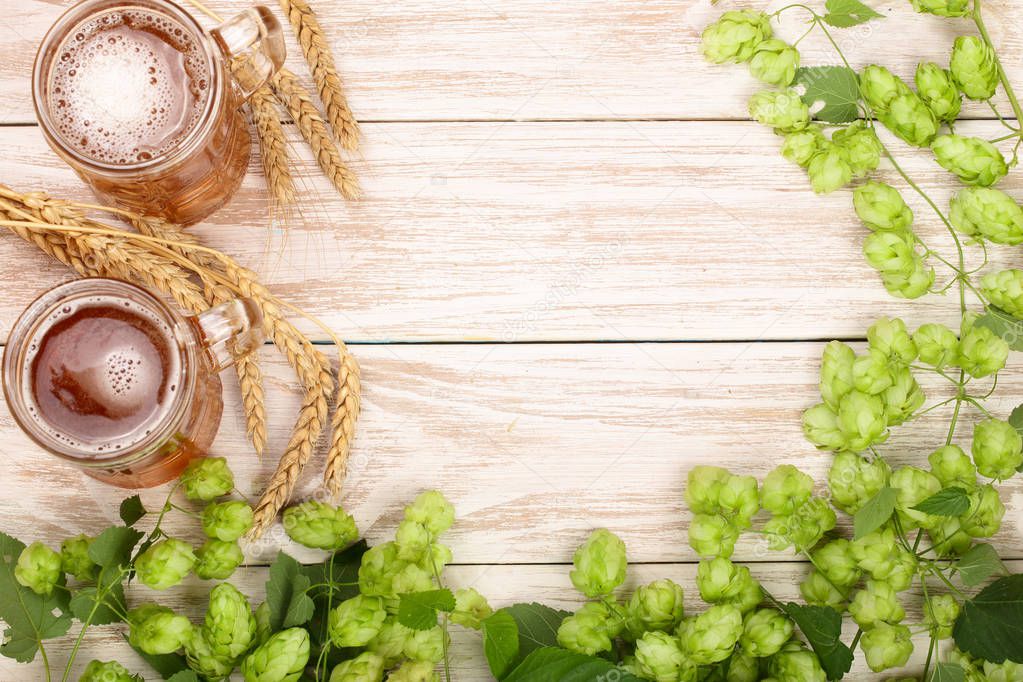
56,36
13,361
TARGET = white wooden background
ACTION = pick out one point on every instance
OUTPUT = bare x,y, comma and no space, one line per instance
578,271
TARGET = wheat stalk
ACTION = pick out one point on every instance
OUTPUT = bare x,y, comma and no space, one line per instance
297,100
273,148
346,414
325,74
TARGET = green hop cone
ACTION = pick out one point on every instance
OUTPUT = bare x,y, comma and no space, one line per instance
218,559
165,564
703,488
911,120
431,509
820,426
880,87
262,616
207,478
743,667
886,646
939,92
974,67
892,339
74,558
803,528
711,636
413,578
903,398
38,568
891,253
989,213
818,590
953,467
876,603
413,540
853,480
881,207
912,285
940,613
719,580
871,372
226,521
774,62
587,631
782,110
230,626
426,645
943,8
1004,289
471,608
837,563
1007,671
414,671
107,671
829,170
913,486
764,631
157,630
356,621
320,526
656,606
735,36
378,569
600,564
861,148
879,555
785,489
836,372
948,538
982,352
997,449
389,643
973,160
659,657
712,535
366,667
282,658
984,517
862,420
202,659
801,146
739,500
937,344
795,662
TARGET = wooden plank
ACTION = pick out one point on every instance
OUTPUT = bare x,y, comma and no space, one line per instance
574,59
503,585
544,231
534,444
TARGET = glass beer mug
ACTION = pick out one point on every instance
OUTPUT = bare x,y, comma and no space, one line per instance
146,106
104,375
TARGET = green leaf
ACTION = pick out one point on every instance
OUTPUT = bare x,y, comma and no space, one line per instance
110,605
560,665
834,89
418,610
286,594
822,628
538,625
990,625
875,513
846,13
978,564
948,672
113,546
184,676
29,617
132,510
1004,325
952,501
1016,419
167,665
500,642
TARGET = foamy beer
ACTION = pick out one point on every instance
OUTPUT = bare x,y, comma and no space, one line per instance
104,375
146,106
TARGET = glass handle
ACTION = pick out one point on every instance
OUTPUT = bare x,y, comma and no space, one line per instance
253,44
231,330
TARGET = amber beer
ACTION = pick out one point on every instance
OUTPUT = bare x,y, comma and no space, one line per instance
137,98
103,374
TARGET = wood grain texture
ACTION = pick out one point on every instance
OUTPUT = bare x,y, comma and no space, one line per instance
532,59
547,231
535,445
503,585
